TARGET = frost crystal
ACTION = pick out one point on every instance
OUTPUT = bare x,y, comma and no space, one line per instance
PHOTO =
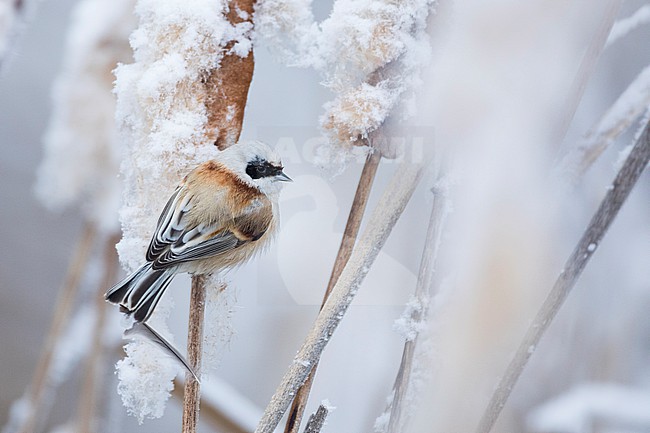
409,324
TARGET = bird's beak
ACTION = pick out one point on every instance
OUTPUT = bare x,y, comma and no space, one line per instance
283,177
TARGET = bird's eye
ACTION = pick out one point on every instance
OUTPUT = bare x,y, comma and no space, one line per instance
258,169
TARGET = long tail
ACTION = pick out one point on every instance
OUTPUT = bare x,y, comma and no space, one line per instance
139,293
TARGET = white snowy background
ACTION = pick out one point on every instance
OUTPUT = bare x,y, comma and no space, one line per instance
595,357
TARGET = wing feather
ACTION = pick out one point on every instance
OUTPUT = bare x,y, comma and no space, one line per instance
171,223
177,242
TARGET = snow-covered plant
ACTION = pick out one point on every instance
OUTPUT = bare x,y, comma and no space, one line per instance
370,54
167,100
82,149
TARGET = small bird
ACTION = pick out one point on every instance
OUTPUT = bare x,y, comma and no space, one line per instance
222,213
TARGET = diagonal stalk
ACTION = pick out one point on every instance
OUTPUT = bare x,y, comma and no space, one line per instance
586,68
92,380
380,224
64,304
316,421
345,250
609,207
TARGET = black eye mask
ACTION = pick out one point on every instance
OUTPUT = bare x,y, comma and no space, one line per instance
261,168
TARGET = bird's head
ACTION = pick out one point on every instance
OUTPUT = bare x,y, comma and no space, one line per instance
256,164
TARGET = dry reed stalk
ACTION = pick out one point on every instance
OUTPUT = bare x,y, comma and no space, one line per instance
92,381
381,222
586,68
317,419
64,304
345,250
227,87
609,207
424,292
218,419
192,395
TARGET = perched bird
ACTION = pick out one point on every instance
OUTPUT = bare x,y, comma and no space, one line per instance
221,214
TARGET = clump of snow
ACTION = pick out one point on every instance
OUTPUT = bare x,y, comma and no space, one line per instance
82,150
381,422
410,323
369,53
146,374
288,29
362,36
162,115
629,106
357,111
143,393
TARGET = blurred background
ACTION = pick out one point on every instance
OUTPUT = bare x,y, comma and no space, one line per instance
597,349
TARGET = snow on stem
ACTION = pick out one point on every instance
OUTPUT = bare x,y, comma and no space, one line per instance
181,101
626,109
371,54
587,66
317,419
424,292
609,207
391,204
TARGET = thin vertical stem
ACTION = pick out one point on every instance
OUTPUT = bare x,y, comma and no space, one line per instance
192,396
64,304
424,291
92,380
609,207
345,250
586,68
